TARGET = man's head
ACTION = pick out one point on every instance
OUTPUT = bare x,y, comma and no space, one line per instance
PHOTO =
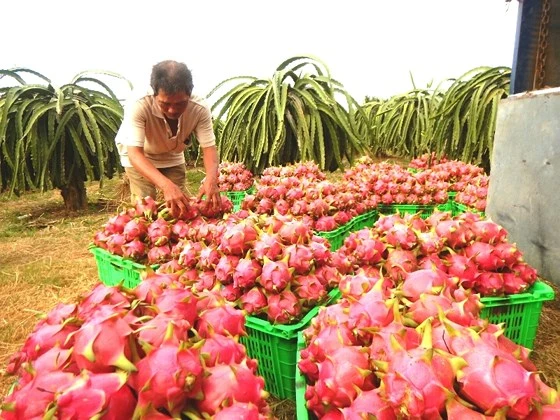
172,84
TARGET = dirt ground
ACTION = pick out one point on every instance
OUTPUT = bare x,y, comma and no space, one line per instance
44,260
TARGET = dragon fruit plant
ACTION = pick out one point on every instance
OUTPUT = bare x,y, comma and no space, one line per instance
158,351
270,266
416,351
472,249
147,233
234,177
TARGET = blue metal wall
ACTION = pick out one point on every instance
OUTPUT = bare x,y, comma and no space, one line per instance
527,43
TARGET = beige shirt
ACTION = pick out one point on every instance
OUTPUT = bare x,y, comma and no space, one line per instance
145,126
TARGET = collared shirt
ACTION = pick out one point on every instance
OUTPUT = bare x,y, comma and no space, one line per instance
144,125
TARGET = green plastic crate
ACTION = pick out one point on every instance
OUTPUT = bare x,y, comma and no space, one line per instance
236,198
114,269
363,220
520,312
335,237
459,208
425,210
275,348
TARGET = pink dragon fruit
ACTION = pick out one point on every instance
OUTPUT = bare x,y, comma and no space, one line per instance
488,231
341,375
225,268
309,288
178,303
153,332
419,381
246,273
220,349
484,256
399,263
253,301
283,307
238,239
159,254
167,377
116,224
225,384
159,232
223,319
95,394
493,382
267,245
457,233
34,399
300,258
136,229
245,411
275,275
401,235
135,250
102,343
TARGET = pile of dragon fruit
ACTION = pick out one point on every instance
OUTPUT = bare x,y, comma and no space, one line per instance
427,160
417,351
473,249
159,351
474,193
269,265
386,183
323,205
147,232
274,266
234,176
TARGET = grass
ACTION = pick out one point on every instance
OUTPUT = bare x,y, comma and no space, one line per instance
44,260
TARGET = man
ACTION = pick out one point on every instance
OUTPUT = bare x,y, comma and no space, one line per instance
154,133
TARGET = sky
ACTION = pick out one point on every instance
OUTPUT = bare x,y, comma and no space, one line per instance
370,46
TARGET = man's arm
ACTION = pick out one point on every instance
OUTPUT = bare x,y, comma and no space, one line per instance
175,198
210,185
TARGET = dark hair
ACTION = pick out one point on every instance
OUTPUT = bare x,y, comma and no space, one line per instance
171,77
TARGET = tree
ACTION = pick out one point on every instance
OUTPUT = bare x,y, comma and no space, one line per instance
60,138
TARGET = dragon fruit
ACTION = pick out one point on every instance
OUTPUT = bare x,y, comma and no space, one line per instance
223,319
95,394
102,343
275,275
34,399
419,381
225,268
496,383
167,377
283,307
225,384
254,300
246,273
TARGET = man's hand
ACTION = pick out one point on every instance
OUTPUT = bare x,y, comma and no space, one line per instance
210,189
175,199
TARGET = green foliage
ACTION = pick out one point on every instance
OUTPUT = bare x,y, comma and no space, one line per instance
53,136
456,119
294,116
466,117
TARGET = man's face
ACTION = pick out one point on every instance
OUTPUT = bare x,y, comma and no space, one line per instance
172,105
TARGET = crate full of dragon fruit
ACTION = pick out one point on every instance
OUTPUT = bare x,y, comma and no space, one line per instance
275,348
